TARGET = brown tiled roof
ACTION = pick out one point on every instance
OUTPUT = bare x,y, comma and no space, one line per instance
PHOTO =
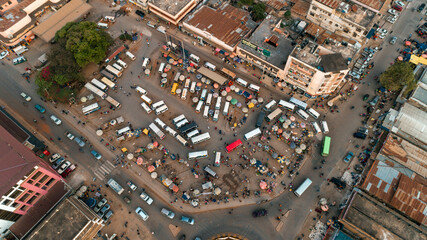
314,29
226,23
376,4
276,4
301,8
330,3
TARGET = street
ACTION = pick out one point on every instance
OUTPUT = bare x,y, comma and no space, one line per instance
239,221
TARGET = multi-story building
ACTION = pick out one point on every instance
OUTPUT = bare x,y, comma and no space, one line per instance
349,19
314,69
29,187
170,11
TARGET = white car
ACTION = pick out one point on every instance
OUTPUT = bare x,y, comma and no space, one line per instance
4,54
69,135
141,213
400,3
392,12
25,96
168,213
55,119
391,19
146,198
63,167
54,157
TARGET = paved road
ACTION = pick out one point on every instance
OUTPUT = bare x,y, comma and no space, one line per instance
342,125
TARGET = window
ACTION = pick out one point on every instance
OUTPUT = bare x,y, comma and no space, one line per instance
312,14
43,179
358,30
23,198
6,202
15,204
328,76
15,194
37,175
314,8
336,25
354,34
32,199
49,182
23,208
9,2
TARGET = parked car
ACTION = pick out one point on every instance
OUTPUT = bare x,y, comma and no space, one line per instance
54,157
146,198
421,7
126,199
107,216
393,40
96,154
141,213
55,119
25,96
339,183
348,157
374,101
63,166
365,97
259,213
398,8
58,163
4,54
80,142
69,170
131,185
140,13
69,135
400,3
168,213
40,108
188,220
392,11
172,156
100,205
104,210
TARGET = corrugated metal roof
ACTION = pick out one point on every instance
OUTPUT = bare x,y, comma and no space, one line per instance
375,4
413,122
330,3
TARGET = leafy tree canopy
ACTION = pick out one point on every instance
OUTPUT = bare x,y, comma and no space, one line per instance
397,76
258,11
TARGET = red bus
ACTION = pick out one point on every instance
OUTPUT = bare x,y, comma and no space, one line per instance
234,145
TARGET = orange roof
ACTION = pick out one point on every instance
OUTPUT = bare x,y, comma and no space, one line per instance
330,3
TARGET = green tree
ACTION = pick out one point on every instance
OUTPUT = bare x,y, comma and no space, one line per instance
287,15
397,76
258,11
61,79
44,86
85,41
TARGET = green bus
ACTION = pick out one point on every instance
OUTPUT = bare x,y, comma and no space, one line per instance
326,146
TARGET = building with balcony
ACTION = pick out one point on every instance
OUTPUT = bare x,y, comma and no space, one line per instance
29,186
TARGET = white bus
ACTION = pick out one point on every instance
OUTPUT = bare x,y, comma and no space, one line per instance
123,131
287,105
102,25
157,104
130,55
146,107
201,138
215,116
193,87
178,119
160,123
114,71
209,99
146,99
316,127
99,84
302,114
194,58
269,105
254,133
226,107
91,108
187,83
217,159
123,64
141,90
109,83
313,113
192,133
161,109
210,66
218,103
181,123
161,67
181,140
298,103
113,102
176,78
156,130
197,155
95,90
304,186
325,127
241,82
118,67
203,95
171,131
274,114
206,112
199,106
184,94
253,87
145,62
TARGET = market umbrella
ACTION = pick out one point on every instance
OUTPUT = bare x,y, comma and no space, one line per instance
224,93
181,78
147,71
251,105
274,155
263,185
274,128
153,175
263,169
233,101
164,80
407,43
99,132
164,75
298,150
302,125
400,58
195,99
178,91
245,110
292,118
180,60
323,201
196,192
208,81
232,87
203,80
239,105
199,76
279,131
130,156
155,144
228,98
217,191
139,161
281,159
293,145
302,146
83,99
199,84
216,85
260,100
151,168
150,146
253,161
215,95
279,84
227,89
236,89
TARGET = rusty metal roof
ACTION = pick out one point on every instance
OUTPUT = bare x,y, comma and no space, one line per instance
330,3
276,5
375,4
226,23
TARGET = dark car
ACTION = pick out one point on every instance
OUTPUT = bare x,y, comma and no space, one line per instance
365,97
260,213
172,156
40,108
140,13
339,183
421,7
359,135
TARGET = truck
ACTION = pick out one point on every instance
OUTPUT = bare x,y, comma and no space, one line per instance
20,49
115,186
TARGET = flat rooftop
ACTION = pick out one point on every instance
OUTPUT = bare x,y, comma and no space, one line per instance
375,4
352,11
377,220
262,38
172,7
411,123
420,94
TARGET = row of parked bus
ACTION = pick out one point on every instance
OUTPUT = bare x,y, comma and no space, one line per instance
93,107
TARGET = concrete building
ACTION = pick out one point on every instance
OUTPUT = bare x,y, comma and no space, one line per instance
350,19
221,28
314,69
169,10
366,218
29,187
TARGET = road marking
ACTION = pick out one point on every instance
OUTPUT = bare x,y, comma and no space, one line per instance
99,175
109,163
